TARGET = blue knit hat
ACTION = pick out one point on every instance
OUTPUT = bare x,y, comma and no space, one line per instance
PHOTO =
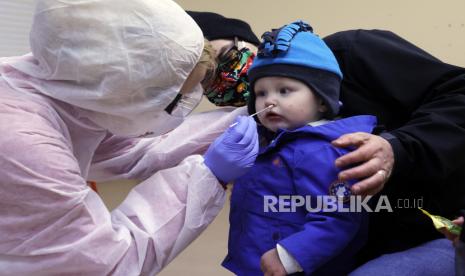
293,51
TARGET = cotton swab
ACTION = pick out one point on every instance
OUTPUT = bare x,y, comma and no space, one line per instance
256,113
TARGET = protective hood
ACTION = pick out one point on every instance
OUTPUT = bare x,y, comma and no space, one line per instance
121,61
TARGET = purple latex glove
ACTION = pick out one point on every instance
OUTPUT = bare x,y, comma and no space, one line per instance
234,152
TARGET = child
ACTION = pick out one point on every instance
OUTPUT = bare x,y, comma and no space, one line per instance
296,74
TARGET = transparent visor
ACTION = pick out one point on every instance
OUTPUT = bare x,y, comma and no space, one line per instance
184,104
175,112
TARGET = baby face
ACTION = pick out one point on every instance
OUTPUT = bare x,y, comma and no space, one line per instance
295,104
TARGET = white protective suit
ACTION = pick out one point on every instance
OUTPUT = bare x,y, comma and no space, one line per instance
112,63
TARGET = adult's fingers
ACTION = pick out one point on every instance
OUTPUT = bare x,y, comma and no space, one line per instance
448,234
371,185
458,221
367,146
372,162
250,133
364,151
351,139
361,171
237,131
249,153
452,237
249,142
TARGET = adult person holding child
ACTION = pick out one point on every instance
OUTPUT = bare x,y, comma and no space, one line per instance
419,102
102,76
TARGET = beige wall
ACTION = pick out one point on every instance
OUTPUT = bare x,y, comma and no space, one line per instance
438,27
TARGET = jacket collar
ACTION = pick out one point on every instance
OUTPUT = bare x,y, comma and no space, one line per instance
325,130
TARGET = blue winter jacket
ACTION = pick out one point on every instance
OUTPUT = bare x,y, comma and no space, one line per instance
298,162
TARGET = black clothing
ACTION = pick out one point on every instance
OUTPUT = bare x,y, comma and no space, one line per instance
420,103
215,26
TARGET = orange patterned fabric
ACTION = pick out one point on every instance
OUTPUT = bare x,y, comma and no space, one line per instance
93,185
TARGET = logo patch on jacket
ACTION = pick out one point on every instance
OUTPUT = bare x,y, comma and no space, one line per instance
277,162
341,190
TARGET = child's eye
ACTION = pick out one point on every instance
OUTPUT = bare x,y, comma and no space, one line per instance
260,94
284,91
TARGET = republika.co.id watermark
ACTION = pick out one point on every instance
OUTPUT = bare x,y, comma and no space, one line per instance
331,203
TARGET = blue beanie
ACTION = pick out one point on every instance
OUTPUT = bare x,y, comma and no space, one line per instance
293,51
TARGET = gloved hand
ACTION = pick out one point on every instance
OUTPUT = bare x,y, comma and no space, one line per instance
234,152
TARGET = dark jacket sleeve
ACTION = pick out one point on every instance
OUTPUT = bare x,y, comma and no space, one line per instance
419,100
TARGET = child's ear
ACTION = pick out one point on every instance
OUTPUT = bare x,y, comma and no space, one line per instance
322,108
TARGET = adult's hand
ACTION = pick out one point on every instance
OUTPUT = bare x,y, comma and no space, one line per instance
452,237
372,161
271,265
234,152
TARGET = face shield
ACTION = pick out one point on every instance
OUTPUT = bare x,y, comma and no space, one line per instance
155,122
175,112
120,62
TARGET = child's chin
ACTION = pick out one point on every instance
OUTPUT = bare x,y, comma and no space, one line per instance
276,127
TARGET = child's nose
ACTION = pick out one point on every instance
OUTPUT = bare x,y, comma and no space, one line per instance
271,100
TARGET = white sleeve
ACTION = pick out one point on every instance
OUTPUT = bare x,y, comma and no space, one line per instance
166,212
52,223
289,263
118,158
56,225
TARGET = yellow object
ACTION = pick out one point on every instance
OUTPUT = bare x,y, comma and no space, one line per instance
440,222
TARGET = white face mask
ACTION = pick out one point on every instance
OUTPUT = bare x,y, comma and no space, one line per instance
154,123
